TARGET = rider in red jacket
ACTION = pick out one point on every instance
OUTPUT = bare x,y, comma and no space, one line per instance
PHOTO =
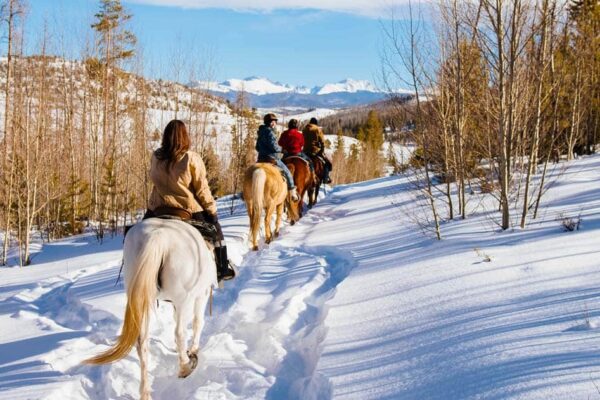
292,142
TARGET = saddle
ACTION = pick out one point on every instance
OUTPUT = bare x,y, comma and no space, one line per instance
206,229
297,158
268,160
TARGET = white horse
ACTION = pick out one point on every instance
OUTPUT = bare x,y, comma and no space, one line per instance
173,254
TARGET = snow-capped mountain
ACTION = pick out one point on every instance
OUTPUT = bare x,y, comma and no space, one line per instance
264,93
348,86
252,85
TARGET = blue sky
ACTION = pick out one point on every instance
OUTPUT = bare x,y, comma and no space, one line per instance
292,45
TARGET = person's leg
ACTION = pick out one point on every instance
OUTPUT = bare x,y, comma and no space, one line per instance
224,270
326,169
309,160
287,174
290,180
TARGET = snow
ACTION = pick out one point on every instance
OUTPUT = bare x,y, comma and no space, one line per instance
253,85
348,86
263,86
313,113
349,303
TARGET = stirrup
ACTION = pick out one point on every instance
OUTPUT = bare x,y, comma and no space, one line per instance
230,273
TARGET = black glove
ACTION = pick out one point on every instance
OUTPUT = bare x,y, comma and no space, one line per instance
210,218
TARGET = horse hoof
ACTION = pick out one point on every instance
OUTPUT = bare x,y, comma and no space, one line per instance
267,241
292,223
255,248
190,366
276,234
185,372
193,356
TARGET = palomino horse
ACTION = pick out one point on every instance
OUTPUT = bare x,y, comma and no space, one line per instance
265,189
313,191
173,254
304,180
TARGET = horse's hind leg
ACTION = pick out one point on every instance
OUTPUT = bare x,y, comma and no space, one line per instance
253,229
278,219
185,367
311,192
199,308
268,233
142,350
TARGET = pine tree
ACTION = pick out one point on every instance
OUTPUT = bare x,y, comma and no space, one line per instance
373,131
339,158
116,44
213,170
371,136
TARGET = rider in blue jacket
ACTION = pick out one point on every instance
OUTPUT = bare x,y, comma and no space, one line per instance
269,151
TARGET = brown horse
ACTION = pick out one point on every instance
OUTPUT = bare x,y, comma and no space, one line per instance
304,180
265,189
313,192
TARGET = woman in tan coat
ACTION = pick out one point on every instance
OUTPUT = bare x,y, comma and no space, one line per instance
181,188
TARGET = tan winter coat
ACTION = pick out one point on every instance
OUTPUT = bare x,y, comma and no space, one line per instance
314,140
184,186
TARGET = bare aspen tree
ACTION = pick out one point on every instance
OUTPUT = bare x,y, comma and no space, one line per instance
539,67
502,39
403,48
11,11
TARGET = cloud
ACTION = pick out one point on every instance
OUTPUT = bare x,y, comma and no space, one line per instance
370,8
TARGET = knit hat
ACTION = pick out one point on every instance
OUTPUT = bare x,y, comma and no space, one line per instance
269,117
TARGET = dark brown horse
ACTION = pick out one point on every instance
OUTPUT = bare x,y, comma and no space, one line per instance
313,192
304,180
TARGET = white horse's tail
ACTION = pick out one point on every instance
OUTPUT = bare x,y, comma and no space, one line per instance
259,178
141,294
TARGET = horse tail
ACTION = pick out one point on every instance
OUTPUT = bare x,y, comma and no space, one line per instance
141,294
259,179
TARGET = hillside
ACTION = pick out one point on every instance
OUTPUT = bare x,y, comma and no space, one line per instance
349,303
163,100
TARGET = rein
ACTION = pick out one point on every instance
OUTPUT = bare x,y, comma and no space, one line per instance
296,157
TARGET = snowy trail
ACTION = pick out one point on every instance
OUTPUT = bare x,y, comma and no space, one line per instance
264,338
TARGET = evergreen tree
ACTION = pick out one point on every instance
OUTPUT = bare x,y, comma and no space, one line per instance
116,42
339,158
213,170
373,131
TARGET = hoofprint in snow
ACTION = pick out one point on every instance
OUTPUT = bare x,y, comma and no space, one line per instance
351,302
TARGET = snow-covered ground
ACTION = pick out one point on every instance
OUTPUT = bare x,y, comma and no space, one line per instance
350,303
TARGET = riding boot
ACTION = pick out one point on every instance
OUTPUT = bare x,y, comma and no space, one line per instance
326,178
224,269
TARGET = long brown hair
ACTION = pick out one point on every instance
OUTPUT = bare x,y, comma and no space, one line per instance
175,142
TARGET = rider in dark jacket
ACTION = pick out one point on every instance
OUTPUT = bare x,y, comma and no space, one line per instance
269,151
314,146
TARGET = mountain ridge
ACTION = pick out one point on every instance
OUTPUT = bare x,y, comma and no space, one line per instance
264,93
